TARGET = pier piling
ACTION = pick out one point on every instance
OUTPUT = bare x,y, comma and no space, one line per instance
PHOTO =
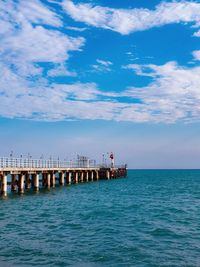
108,174
21,183
82,177
4,184
87,176
97,175
69,178
27,181
35,178
13,183
61,178
92,176
48,181
76,177
53,180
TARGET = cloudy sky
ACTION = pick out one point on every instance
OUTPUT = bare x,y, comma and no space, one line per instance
91,77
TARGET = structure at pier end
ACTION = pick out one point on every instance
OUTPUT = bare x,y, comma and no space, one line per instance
21,174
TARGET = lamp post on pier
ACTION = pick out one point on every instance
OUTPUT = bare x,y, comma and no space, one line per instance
11,158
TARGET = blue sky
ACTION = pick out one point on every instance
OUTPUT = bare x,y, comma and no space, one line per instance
91,77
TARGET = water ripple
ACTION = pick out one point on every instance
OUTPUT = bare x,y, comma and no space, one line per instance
150,219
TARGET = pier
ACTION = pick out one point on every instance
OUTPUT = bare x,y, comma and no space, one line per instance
32,174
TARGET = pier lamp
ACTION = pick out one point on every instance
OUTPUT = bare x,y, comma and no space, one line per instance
103,159
28,160
58,161
11,159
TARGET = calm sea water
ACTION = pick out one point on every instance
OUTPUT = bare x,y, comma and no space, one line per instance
151,218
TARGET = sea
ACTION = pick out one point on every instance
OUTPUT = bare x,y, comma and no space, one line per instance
151,218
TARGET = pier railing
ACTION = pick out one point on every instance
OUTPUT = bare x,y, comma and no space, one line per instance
29,163
26,163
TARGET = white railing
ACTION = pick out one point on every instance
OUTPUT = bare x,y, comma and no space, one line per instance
27,163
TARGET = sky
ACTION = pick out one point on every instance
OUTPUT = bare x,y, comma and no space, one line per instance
93,77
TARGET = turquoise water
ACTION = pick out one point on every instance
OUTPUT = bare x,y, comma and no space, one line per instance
151,218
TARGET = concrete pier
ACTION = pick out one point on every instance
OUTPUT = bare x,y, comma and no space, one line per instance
32,174
69,178
92,176
27,181
4,184
35,178
21,183
61,178
53,180
48,181
82,177
108,174
44,179
97,175
13,183
87,176
76,178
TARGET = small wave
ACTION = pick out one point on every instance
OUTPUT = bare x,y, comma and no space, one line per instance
161,232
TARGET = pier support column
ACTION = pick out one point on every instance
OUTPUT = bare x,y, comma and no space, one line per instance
27,181
97,175
4,185
66,177
53,180
36,182
87,176
108,174
82,177
21,183
62,178
92,176
69,178
44,179
13,183
48,181
76,177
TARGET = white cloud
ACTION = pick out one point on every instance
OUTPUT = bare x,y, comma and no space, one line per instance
37,44
17,14
174,93
34,11
197,34
104,63
79,91
61,70
25,41
126,21
55,102
102,66
77,29
196,54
